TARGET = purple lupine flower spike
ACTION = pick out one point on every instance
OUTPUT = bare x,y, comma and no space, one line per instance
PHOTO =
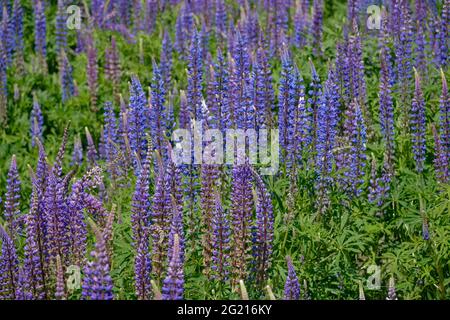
61,28
40,37
112,67
92,68
3,85
158,112
59,290
18,34
195,77
392,294
264,92
34,261
9,267
317,25
12,200
418,124
220,241
36,121
264,234
92,155
241,212
66,79
166,61
440,158
173,285
77,154
444,111
292,286
97,282
140,220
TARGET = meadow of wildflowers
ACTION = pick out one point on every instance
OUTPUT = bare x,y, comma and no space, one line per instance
351,97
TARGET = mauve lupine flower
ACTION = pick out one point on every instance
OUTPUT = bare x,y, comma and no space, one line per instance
209,181
220,21
444,111
241,213
183,29
161,217
420,35
263,90
36,122
91,153
287,103
278,26
40,30
3,85
123,7
444,34
158,116
327,122
151,12
7,34
343,70
403,58
264,235
301,23
314,93
317,25
18,33
61,28
67,86
351,163
140,224
77,154
173,284
97,282
418,124
166,60
138,19
75,203
291,286
219,97
110,131
9,267
220,241
92,68
440,158
34,262
352,10
59,290
392,295
22,290
195,77
138,121
112,67
12,200
354,51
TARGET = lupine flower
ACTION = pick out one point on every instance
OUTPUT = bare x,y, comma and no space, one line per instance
12,200
392,295
36,122
92,155
184,25
7,34
112,66
97,282
218,97
195,77
138,119
40,29
241,213
34,262
59,290
61,28
440,158
76,202
444,111
264,230
110,134
3,85
278,25
444,34
354,51
77,154
158,116
420,35
67,86
263,90
301,23
209,181
351,163
8,267
166,60
292,286
317,25
387,110
173,285
151,11
18,33
327,122
92,68
425,230
418,125
220,20
314,93
140,222
220,242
